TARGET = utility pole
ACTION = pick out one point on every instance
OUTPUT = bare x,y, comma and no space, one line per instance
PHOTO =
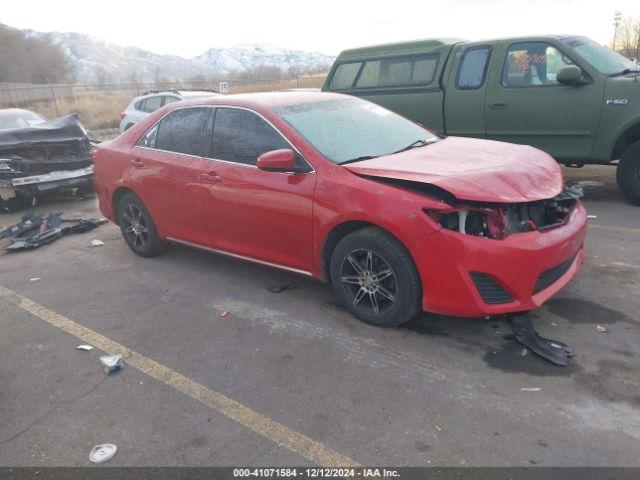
617,17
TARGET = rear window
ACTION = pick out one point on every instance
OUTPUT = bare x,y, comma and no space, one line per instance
19,119
405,71
170,99
151,104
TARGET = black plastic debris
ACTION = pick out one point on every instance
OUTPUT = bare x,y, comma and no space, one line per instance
37,230
29,222
552,350
281,287
570,193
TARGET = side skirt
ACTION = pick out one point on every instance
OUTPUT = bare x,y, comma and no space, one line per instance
241,257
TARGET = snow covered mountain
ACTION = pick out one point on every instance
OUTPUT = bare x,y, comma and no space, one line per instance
248,56
93,60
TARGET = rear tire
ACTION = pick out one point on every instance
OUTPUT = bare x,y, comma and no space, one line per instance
137,227
375,278
628,173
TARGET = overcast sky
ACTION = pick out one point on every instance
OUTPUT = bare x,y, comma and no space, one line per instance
189,27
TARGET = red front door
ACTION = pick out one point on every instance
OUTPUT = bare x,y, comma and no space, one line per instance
251,212
264,215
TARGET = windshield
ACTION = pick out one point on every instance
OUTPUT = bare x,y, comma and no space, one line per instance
604,60
348,128
11,119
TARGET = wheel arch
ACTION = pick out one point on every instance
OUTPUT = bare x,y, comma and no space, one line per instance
341,230
628,137
115,199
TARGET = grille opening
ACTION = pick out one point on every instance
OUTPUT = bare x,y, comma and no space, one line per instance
489,290
549,277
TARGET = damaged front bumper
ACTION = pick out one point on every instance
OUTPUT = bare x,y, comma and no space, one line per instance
472,276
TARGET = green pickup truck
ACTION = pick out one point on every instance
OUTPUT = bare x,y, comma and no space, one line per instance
567,95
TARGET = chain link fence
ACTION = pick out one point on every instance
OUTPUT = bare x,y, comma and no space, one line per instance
99,105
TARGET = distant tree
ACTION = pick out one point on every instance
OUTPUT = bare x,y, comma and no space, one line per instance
260,72
628,38
31,60
294,71
133,77
102,76
197,81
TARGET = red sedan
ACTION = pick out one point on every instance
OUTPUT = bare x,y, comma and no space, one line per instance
396,218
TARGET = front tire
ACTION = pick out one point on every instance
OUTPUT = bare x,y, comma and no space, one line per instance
137,227
375,278
628,173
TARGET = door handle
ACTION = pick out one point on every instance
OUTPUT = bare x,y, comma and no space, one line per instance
498,105
137,163
211,177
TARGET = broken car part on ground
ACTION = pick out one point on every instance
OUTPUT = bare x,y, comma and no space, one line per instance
552,350
37,230
51,156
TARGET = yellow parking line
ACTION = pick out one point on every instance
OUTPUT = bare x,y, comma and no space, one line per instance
298,443
614,228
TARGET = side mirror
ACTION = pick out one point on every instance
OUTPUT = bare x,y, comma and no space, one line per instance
277,161
570,75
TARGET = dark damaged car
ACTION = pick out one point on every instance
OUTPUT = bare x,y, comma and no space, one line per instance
39,156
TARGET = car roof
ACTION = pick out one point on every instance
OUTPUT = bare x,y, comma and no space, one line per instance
196,93
266,100
14,111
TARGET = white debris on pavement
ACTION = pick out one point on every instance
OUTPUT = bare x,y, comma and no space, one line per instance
84,347
96,243
102,453
112,363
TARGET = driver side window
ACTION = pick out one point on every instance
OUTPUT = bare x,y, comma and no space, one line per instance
241,136
533,64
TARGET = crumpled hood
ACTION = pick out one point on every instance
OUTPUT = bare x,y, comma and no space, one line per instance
472,169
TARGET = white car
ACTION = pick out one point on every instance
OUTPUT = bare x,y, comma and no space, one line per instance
140,107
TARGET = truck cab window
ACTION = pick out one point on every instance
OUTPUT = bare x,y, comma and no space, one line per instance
344,75
473,68
398,72
533,64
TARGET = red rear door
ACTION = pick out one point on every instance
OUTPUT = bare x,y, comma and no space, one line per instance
166,173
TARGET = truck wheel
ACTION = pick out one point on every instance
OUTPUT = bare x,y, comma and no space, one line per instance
375,278
628,174
137,227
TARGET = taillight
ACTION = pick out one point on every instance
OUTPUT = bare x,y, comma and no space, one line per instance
122,114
